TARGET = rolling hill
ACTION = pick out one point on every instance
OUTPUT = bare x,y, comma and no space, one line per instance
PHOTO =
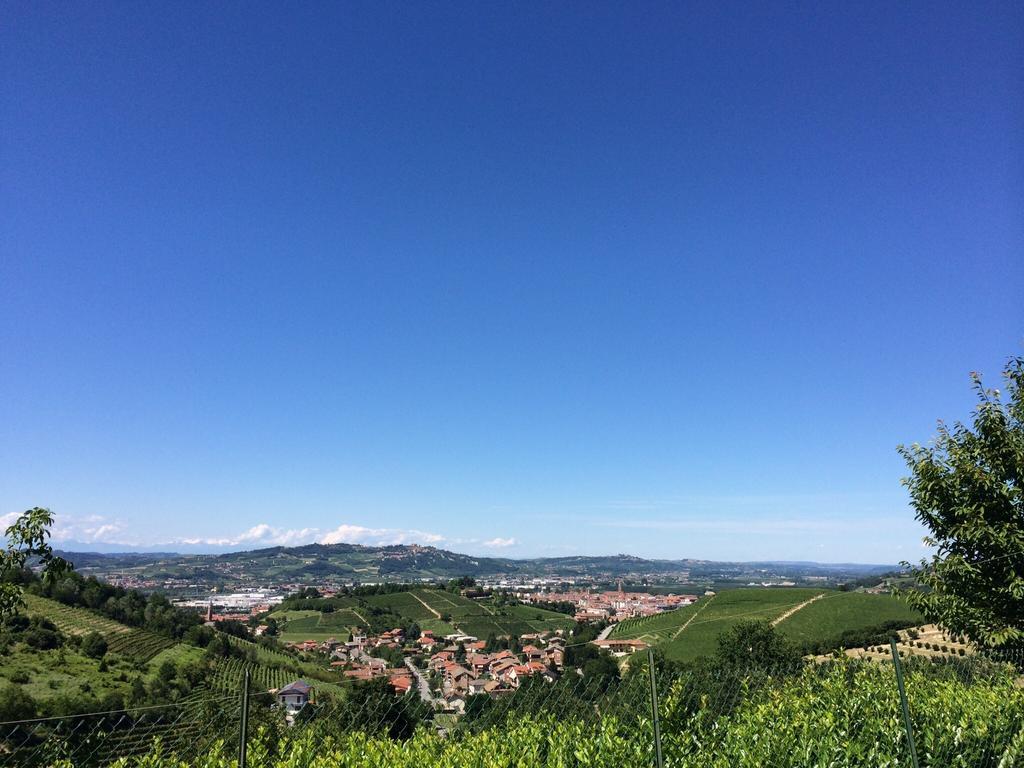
439,611
803,615
50,676
352,563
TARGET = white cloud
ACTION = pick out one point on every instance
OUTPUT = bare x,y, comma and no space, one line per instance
357,534
90,529
261,535
500,543
265,535
98,529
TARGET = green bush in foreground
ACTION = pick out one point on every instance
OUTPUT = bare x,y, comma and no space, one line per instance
839,715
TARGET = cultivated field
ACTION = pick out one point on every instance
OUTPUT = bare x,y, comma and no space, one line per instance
71,620
801,614
137,644
827,619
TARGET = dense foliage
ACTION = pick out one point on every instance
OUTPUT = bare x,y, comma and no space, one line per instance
841,715
27,538
968,489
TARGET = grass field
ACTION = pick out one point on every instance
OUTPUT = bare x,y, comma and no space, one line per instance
312,625
827,619
403,603
690,632
438,627
683,640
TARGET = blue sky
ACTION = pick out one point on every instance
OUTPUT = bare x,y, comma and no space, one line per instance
531,279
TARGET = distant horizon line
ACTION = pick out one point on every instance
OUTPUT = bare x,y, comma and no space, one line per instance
109,550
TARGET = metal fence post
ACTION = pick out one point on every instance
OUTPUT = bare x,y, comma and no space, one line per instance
659,762
903,703
245,720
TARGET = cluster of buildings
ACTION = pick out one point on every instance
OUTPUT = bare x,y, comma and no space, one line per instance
445,670
471,671
614,605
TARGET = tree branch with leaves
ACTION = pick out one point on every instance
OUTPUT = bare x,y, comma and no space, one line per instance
27,540
968,490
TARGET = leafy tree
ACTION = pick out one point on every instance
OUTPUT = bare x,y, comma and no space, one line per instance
28,537
16,703
755,644
94,645
43,639
968,490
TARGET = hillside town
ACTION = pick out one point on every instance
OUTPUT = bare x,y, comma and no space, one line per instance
446,671
614,605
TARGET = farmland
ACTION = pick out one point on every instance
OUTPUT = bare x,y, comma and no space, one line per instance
138,644
71,620
435,610
690,632
313,625
132,654
845,611
403,603
481,618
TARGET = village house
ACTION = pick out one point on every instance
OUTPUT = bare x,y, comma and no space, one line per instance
620,647
401,681
294,696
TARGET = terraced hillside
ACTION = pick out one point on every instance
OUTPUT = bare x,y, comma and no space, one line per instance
71,620
137,644
50,675
133,652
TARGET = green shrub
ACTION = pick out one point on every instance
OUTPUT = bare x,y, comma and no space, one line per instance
841,714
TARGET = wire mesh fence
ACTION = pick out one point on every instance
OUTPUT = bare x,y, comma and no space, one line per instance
952,711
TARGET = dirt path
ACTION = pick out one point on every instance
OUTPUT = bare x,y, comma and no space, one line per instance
796,608
695,613
361,617
438,615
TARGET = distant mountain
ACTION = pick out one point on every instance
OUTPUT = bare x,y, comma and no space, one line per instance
317,563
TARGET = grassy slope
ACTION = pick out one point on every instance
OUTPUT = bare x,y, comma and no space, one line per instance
823,619
726,609
52,673
659,628
828,618
402,603
70,620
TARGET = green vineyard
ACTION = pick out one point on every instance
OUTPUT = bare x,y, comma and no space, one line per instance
229,675
73,621
138,644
